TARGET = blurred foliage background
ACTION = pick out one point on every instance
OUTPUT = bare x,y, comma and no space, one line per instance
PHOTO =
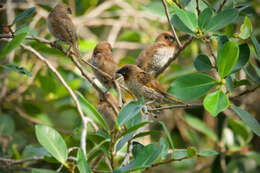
129,25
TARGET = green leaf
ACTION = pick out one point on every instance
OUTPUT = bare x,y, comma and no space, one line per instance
202,63
179,153
52,141
137,147
252,73
256,45
147,155
205,17
43,171
24,14
165,148
244,54
134,128
229,83
191,152
178,24
124,140
155,8
82,163
6,125
245,29
142,134
216,102
247,119
191,86
91,111
12,44
227,58
206,153
201,127
167,134
239,128
17,69
188,18
222,19
222,39
34,150
128,112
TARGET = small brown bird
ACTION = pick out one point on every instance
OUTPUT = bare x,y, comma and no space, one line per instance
156,55
142,84
62,27
102,59
106,110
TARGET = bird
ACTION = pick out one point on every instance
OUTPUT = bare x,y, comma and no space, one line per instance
153,57
106,110
102,59
142,84
61,26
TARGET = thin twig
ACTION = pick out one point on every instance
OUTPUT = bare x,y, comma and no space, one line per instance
166,162
184,106
221,6
176,54
244,93
84,119
11,162
169,21
197,6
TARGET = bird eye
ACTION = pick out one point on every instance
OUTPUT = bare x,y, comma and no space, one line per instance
69,10
166,37
172,39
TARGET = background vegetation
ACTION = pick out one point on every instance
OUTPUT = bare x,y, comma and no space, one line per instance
216,72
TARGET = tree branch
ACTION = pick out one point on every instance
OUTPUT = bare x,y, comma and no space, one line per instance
169,21
11,162
184,106
166,162
221,6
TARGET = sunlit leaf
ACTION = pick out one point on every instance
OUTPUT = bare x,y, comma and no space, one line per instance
82,163
18,69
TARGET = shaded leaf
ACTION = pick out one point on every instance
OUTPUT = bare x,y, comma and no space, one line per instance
252,73
124,140
24,14
205,17
202,63
134,128
256,45
18,69
43,171
244,54
137,147
7,125
191,86
216,102
239,128
52,141
167,134
178,24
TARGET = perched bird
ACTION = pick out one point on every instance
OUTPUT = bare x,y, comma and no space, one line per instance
106,110
62,27
142,84
156,55
102,59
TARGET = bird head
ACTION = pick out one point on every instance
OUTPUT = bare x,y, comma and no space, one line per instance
128,70
63,8
165,37
103,46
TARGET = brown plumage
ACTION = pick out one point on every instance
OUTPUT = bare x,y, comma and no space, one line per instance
102,58
106,110
156,55
142,84
62,27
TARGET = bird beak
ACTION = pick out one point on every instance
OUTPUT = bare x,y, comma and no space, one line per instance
121,71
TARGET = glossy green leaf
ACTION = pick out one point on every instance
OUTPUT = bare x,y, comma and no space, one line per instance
244,54
147,155
252,73
179,153
188,18
24,14
124,140
222,19
227,58
91,111
142,134
239,128
167,134
191,152
165,148
43,171
201,127
205,17
128,112
206,153
7,125
34,150
52,141
216,102
178,24
245,29
256,45
134,128
12,44
18,69
82,163
222,39
134,121
137,147
247,119
229,83
202,63
191,86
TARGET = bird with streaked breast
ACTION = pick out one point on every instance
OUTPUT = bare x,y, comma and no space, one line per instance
102,58
62,27
155,56
142,84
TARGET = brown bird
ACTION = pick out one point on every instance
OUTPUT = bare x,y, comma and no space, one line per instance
106,110
102,59
62,27
142,84
156,55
